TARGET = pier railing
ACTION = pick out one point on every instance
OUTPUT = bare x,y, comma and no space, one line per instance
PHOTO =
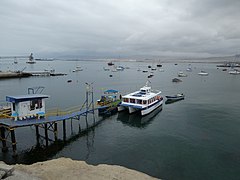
60,112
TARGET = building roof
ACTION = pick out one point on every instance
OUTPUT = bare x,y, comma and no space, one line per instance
27,97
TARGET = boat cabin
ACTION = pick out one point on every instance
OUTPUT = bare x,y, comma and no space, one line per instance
108,97
27,106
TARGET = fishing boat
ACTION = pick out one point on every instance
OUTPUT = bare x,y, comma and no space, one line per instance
203,73
110,63
108,102
176,97
144,101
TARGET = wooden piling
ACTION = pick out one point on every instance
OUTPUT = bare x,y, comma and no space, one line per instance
37,134
55,131
14,143
64,130
46,133
3,139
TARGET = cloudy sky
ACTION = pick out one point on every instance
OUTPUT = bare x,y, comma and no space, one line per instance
105,28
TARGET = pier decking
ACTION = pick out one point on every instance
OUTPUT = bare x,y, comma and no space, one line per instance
9,123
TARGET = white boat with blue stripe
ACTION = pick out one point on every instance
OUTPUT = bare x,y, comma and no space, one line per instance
144,101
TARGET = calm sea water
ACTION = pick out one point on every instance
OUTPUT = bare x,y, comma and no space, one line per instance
196,138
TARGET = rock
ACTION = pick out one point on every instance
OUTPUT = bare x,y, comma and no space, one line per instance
176,80
5,170
65,168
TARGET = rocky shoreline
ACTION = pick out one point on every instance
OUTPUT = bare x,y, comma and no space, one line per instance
66,168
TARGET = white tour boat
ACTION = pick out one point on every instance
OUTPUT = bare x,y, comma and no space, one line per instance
145,100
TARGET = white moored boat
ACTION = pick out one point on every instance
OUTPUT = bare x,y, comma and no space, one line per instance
145,100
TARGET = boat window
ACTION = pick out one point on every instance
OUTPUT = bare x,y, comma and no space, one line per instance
125,99
144,102
139,101
132,100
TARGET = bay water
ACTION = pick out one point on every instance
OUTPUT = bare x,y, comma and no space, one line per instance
196,138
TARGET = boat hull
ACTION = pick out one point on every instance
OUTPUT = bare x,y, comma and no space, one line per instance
151,108
143,111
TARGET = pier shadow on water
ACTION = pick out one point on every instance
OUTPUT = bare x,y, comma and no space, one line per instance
40,152
136,120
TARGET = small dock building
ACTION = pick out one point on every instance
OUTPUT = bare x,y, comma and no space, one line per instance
27,106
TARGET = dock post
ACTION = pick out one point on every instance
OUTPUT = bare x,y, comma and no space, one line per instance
64,130
3,139
46,133
55,131
86,121
71,126
37,134
14,143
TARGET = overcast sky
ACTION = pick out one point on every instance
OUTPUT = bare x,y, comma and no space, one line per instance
120,27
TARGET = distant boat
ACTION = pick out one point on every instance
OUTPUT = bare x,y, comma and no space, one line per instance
150,75
31,59
144,71
189,69
120,68
203,73
149,66
234,72
15,61
77,69
106,69
153,69
161,70
159,65
181,74
175,97
110,63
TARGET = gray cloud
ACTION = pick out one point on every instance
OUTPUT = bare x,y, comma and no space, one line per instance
126,27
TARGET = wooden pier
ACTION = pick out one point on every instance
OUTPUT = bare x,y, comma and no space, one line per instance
49,123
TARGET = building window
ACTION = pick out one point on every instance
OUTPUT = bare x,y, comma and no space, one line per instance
14,106
35,104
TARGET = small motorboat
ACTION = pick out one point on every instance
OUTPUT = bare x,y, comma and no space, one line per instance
234,72
181,74
175,97
110,63
203,73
